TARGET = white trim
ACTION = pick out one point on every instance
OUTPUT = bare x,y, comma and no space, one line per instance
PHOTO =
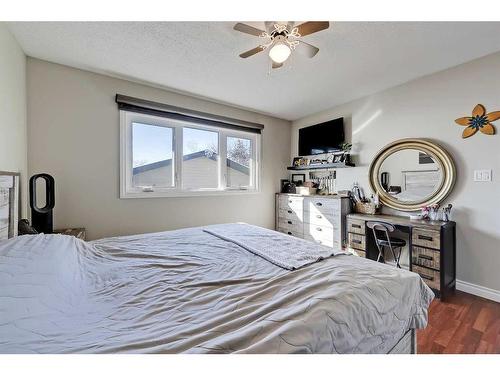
478,290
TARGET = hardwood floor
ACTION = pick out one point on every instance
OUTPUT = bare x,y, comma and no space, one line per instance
463,324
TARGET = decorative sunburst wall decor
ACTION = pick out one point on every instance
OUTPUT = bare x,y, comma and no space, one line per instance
478,121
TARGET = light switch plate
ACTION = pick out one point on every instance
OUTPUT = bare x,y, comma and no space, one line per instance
482,175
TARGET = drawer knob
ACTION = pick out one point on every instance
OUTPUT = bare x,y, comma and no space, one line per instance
290,211
289,233
319,229
356,226
319,216
426,238
319,204
356,241
290,222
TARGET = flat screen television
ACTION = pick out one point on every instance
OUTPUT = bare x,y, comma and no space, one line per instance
321,138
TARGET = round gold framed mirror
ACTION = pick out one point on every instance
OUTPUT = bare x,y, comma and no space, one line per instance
411,173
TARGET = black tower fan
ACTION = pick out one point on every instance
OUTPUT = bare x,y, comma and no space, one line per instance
41,217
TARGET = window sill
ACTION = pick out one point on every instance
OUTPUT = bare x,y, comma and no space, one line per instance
181,194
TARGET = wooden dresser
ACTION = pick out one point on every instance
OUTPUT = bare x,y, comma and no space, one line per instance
321,219
432,247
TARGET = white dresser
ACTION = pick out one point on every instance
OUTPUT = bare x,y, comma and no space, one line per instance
321,219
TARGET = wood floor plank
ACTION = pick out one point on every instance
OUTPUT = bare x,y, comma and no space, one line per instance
483,318
462,324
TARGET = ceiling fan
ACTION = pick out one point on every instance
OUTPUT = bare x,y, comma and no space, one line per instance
282,38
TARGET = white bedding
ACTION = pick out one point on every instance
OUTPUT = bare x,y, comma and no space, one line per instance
189,291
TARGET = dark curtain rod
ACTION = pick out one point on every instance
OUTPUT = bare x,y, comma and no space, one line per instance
137,105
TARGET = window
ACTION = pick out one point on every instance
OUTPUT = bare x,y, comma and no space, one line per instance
152,153
200,159
162,157
239,162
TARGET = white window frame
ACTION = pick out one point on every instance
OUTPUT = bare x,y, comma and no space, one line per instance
128,191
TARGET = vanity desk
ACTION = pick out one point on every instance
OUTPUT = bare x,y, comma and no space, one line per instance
431,246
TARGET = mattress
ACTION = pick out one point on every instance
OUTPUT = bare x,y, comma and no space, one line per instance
188,291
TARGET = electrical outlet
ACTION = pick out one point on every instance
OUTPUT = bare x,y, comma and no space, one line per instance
482,175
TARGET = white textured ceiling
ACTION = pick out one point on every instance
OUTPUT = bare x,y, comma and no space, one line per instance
201,58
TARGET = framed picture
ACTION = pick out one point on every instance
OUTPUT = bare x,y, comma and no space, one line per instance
9,204
297,162
338,158
282,184
298,179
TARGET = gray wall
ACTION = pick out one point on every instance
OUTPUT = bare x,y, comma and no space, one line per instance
427,108
13,139
74,135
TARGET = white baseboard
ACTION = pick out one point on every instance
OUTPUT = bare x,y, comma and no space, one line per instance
479,290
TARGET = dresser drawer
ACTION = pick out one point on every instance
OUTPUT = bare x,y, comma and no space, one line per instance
426,257
321,219
431,277
291,215
316,203
291,202
355,226
324,206
292,225
291,232
291,207
356,241
426,238
318,230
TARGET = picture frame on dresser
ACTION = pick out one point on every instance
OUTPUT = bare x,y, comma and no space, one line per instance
9,204
298,179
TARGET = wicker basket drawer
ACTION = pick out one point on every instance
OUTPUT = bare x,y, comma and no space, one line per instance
356,241
426,257
426,238
430,277
355,226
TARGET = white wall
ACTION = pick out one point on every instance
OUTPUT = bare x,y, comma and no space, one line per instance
13,139
74,135
427,108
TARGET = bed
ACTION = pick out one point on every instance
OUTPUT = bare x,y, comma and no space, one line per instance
196,291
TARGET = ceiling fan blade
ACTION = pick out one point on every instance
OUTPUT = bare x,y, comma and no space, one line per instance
306,49
247,29
277,65
312,27
251,52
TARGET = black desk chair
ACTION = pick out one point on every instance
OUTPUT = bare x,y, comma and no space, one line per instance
381,232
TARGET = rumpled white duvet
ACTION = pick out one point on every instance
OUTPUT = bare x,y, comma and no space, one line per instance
190,291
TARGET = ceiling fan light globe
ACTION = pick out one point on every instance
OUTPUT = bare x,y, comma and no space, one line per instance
279,53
